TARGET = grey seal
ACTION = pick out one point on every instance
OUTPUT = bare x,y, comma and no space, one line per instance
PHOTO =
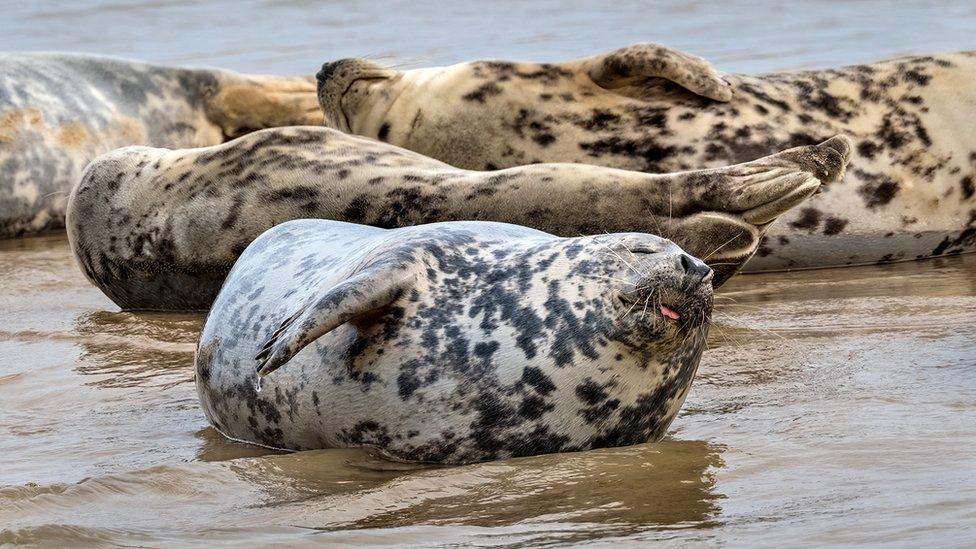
159,229
452,342
911,192
59,111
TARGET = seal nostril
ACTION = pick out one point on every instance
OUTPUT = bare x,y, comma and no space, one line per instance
693,268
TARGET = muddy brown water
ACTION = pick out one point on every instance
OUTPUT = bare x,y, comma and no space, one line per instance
832,407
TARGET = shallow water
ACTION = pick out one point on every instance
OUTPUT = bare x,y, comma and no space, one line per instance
832,406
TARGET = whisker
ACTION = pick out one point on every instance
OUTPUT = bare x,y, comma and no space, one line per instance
607,246
741,305
629,310
727,242
670,204
789,342
729,340
657,223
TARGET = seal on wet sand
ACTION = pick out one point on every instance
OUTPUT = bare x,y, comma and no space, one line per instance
160,229
911,192
452,342
59,111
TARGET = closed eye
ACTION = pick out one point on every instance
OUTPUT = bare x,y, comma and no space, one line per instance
640,250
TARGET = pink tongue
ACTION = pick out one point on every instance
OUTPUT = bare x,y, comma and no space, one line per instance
669,313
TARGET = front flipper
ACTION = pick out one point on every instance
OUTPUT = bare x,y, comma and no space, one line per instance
737,203
365,292
621,68
724,242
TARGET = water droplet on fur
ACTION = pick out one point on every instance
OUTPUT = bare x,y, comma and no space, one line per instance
257,383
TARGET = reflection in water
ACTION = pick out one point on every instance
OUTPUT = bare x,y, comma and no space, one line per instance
215,447
138,349
669,483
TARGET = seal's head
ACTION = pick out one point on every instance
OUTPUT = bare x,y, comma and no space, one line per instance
347,89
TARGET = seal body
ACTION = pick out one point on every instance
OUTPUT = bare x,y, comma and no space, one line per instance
160,229
452,342
910,193
59,111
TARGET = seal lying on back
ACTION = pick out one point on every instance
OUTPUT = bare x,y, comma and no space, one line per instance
911,192
59,111
452,342
160,229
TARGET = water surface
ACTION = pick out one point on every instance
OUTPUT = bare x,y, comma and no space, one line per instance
831,407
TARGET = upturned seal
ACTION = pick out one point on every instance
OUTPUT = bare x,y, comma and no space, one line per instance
452,342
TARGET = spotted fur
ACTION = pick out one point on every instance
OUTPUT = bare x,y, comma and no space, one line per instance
910,192
452,342
59,111
160,229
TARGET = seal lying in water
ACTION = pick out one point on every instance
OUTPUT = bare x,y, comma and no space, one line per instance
160,229
911,192
452,342
59,111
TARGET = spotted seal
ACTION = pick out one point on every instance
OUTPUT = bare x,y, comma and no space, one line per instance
159,229
911,192
452,342
59,111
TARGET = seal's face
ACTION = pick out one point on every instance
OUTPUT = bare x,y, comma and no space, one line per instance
408,108
349,89
659,297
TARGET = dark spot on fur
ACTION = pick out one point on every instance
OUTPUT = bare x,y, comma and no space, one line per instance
834,225
966,184
590,392
809,219
535,378
868,149
877,190
532,407
482,92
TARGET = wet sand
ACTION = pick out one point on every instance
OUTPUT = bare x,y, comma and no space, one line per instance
832,406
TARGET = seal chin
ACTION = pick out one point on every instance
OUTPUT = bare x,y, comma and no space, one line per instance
669,304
